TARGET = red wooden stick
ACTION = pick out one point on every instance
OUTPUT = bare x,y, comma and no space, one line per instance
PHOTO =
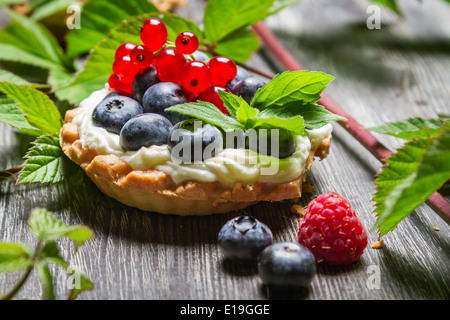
436,200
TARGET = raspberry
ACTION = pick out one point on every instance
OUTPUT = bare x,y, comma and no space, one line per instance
331,230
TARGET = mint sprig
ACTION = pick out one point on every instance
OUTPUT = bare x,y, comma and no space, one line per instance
288,102
47,229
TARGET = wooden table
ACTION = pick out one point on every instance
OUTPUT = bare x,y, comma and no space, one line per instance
399,71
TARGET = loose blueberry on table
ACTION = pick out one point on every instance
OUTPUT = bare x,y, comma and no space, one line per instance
243,238
286,264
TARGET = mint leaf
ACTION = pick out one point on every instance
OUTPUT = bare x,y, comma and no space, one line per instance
46,162
231,102
46,228
99,64
98,17
208,113
410,176
13,115
14,256
278,118
314,115
40,111
411,128
300,86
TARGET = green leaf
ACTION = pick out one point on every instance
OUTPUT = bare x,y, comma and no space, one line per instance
46,228
14,256
99,65
410,176
49,8
82,285
46,280
314,115
46,162
12,78
300,86
411,128
391,4
208,113
50,254
39,109
239,45
220,22
98,17
277,117
13,115
231,102
31,40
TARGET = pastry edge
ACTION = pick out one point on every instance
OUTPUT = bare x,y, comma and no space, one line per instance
154,190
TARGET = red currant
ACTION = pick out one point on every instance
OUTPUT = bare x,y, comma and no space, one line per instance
196,76
211,95
153,34
124,69
169,65
124,49
186,42
223,70
142,57
115,84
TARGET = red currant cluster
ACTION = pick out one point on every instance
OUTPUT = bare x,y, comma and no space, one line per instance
203,79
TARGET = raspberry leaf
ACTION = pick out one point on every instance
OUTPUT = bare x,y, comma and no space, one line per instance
46,227
46,162
14,256
13,115
411,128
39,110
98,17
410,176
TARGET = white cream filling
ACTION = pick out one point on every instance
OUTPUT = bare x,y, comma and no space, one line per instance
228,166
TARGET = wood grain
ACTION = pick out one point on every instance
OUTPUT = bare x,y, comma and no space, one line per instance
381,75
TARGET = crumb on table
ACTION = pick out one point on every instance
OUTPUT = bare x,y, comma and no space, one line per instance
378,244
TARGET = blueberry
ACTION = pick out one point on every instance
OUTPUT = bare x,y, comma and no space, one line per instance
114,111
247,88
144,80
198,55
243,238
118,93
286,264
191,140
241,75
145,130
264,140
166,94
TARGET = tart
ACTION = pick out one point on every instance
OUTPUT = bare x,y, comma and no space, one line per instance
108,137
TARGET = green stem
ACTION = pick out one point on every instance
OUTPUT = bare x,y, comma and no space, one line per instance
27,273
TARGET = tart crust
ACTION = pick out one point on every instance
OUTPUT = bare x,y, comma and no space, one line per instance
154,190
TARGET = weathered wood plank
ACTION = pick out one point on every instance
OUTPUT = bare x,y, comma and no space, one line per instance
381,75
